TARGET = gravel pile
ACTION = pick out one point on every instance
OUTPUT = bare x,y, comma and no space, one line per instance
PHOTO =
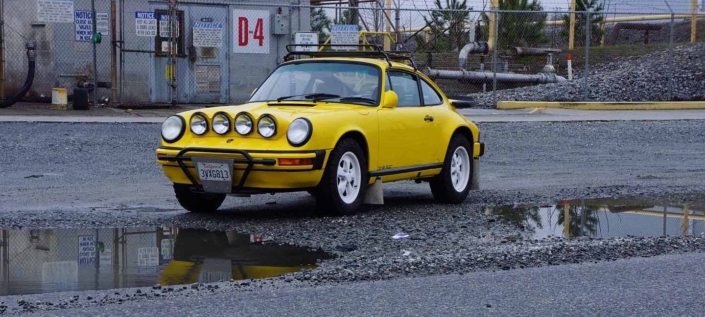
642,78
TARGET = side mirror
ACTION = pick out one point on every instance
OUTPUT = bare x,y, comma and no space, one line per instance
253,92
460,104
390,100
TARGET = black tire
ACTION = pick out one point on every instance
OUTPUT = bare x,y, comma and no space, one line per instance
197,202
328,199
442,185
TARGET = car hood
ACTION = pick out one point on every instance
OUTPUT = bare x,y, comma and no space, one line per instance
281,110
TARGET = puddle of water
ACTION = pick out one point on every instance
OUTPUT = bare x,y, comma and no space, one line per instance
603,218
42,261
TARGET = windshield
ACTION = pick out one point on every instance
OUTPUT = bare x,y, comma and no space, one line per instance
336,82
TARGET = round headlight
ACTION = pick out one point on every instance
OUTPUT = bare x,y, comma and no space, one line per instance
266,127
243,124
221,123
199,125
299,131
172,128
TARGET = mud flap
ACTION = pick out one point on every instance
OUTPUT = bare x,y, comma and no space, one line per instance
375,195
475,185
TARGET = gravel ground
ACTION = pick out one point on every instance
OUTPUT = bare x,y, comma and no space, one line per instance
104,175
642,78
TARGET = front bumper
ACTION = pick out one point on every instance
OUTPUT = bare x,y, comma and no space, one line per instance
253,171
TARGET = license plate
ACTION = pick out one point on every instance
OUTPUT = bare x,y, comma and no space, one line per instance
214,172
216,175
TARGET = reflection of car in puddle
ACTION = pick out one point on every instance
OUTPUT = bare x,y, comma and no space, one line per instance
603,218
209,256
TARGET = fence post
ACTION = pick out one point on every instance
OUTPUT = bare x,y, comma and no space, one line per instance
694,22
494,56
2,50
95,56
670,60
587,54
571,28
113,52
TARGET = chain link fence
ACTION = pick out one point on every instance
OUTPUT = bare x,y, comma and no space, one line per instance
218,52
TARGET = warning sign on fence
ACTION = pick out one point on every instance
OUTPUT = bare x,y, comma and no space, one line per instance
55,11
146,23
207,34
102,23
86,250
84,26
344,34
165,26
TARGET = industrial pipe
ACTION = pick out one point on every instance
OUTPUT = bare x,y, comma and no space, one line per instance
525,51
487,77
470,48
32,58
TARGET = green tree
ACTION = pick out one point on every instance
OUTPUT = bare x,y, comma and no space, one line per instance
520,216
518,29
596,18
320,23
447,27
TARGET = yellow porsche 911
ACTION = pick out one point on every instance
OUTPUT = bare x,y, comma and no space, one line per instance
334,124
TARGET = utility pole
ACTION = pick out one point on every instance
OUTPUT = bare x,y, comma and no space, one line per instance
571,29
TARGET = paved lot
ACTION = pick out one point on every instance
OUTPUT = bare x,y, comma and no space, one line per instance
91,175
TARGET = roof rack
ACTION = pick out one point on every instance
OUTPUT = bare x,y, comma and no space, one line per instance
376,52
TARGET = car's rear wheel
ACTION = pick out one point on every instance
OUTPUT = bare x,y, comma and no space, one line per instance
197,202
453,183
344,183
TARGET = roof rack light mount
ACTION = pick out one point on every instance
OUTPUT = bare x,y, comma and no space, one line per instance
376,52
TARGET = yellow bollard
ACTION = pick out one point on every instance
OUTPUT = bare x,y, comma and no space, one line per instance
685,220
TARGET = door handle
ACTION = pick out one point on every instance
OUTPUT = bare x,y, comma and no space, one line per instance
428,118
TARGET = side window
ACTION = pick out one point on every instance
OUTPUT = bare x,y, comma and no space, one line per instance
430,95
407,88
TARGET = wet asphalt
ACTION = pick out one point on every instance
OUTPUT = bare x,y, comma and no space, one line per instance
60,175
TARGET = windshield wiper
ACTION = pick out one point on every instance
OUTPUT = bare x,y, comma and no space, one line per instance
350,99
315,97
361,99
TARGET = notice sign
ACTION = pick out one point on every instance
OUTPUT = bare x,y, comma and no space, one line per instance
55,11
344,34
102,23
306,38
251,31
207,34
146,23
86,250
84,26
148,256
165,26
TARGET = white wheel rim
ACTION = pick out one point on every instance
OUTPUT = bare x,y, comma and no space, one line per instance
349,178
460,169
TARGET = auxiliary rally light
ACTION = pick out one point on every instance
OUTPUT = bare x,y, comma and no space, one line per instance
288,161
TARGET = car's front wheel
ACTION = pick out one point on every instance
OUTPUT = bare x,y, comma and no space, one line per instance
344,183
197,202
453,183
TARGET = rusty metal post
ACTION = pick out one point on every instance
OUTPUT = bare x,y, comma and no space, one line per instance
95,56
566,219
694,22
116,258
491,36
113,51
2,49
571,29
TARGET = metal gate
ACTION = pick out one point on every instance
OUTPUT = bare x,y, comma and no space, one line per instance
202,66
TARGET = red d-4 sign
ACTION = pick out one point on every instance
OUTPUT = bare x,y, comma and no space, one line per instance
251,31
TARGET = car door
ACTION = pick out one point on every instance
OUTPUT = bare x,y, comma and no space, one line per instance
407,133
